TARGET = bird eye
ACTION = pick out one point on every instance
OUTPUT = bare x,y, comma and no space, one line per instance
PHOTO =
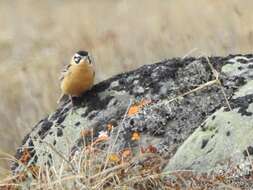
77,59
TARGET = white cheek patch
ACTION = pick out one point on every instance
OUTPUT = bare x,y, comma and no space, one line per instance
77,59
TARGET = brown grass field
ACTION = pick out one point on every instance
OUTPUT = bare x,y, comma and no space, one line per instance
38,37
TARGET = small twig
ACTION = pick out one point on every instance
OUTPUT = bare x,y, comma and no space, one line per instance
209,83
117,135
189,53
216,74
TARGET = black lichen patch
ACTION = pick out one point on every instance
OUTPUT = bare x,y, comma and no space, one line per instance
242,61
65,110
26,138
240,68
91,115
77,123
239,81
242,103
248,56
44,128
228,133
60,119
131,122
59,132
49,161
213,117
60,111
31,146
151,78
204,143
35,158
248,151
94,102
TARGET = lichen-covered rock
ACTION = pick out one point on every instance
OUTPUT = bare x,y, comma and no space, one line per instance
163,103
226,136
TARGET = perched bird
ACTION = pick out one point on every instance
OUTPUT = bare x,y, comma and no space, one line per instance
78,76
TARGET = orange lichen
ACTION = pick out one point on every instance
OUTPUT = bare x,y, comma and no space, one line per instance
25,156
135,136
135,108
114,158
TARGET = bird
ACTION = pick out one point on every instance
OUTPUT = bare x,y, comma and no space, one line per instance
78,76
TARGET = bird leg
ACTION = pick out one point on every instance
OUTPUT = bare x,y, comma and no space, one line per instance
73,107
72,100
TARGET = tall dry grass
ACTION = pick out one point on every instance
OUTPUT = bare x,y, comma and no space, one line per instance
38,37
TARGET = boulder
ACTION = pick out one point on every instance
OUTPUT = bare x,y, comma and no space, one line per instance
195,113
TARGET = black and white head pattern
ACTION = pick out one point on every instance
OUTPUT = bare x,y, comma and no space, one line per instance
81,55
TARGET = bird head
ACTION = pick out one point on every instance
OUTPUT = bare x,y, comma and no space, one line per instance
82,57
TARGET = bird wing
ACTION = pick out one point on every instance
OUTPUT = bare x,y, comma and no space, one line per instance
65,72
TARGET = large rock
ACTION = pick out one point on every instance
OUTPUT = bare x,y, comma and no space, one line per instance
177,106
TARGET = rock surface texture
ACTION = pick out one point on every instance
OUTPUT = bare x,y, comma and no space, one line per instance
196,113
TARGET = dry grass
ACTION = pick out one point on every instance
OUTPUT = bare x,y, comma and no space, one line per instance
124,170
38,37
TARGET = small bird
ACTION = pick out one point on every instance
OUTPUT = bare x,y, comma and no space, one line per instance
78,76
